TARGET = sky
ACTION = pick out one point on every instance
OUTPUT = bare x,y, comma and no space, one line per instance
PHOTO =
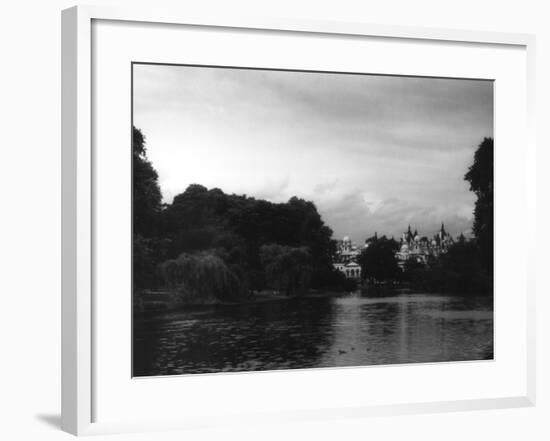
374,153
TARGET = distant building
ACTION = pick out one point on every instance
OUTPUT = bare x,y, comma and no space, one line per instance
346,258
413,246
351,270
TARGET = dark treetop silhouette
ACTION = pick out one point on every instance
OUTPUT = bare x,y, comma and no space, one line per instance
255,243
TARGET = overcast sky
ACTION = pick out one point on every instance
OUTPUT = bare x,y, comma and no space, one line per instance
375,153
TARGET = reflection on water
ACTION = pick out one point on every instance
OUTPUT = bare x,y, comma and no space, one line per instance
315,332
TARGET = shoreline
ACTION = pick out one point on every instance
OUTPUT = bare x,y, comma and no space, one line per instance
165,301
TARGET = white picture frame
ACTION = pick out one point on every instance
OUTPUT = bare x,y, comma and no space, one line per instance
79,168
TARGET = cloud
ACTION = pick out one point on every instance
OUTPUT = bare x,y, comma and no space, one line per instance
355,216
273,190
373,152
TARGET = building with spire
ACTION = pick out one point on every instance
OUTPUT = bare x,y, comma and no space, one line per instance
421,248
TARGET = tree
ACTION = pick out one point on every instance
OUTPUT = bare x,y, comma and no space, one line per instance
458,271
146,196
378,261
148,249
464,269
411,268
287,268
201,219
203,278
146,254
480,177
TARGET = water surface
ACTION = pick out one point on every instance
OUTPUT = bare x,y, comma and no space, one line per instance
350,330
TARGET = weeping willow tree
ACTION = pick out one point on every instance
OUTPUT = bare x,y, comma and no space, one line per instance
202,278
287,269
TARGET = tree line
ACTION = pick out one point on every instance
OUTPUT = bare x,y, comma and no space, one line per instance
211,245
460,270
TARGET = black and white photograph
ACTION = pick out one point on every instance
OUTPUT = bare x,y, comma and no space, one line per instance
304,219
277,221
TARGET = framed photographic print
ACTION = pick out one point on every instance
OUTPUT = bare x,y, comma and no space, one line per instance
257,209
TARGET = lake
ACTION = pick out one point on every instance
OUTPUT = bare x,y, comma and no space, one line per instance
313,332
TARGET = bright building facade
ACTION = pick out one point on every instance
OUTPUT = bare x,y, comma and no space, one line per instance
421,248
346,258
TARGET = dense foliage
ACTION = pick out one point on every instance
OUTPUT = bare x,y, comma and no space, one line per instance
202,277
146,195
480,177
458,271
378,261
287,269
149,248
